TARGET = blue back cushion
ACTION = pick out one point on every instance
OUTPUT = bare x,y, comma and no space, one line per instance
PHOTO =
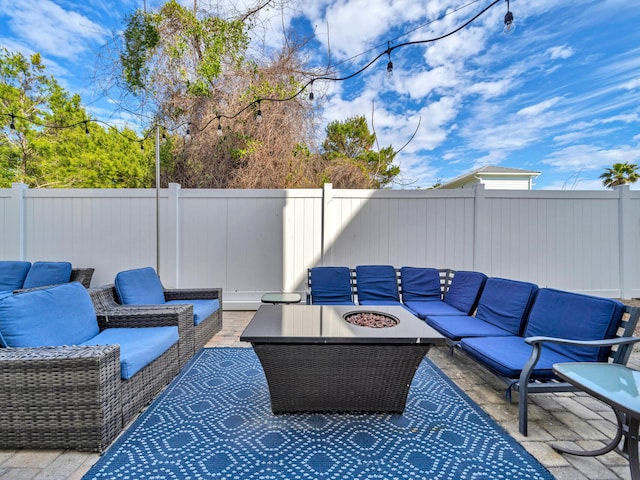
331,285
574,316
42,274
420,284
12,274
140,286
464,291
60,315
506,303
377,282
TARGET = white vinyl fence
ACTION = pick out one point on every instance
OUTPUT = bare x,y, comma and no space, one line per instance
252,241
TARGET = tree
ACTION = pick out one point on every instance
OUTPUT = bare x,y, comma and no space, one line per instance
620,174
44,141
349,157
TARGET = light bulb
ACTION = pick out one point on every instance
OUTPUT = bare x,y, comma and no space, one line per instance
390,69
311,95
259,116
86,129
509,25
219,131
13,124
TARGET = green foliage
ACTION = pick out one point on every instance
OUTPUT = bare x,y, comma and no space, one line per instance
173,48
42,151
620,174
351,142
140,38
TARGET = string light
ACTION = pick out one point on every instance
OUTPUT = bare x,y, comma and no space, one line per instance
86,128
259,114
509,25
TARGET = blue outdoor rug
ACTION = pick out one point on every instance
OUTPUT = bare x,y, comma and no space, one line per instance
215,421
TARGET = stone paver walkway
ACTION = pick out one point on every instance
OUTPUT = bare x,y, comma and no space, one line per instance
572,419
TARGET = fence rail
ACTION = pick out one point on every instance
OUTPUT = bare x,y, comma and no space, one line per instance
252,241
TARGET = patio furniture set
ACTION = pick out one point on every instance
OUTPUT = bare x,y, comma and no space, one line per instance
517,331
78,364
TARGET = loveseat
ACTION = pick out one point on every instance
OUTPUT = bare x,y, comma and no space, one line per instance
69,381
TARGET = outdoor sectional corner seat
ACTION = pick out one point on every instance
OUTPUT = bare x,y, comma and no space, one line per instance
460,298
502,310
68,382
142,286
377,285
561,327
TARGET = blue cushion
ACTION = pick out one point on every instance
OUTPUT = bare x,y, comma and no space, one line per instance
507,356
420,284
138,346
202,309
506,303
61,315
42,274
331,286
377,283
464,291
455,327
12,274
433,307
140,286
575,316
382,302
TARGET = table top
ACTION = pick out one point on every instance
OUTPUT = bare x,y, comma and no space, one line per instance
326,324
281,297
617,385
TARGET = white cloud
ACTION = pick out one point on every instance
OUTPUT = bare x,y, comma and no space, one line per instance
563,52
48,28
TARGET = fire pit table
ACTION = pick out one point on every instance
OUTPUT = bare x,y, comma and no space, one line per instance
316,361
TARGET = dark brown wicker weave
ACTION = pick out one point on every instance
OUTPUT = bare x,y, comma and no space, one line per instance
339,377
112,314
82,275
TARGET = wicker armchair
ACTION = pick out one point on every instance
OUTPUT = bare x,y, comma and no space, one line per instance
82,275
74,396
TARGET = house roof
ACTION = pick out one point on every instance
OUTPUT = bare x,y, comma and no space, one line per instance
488,171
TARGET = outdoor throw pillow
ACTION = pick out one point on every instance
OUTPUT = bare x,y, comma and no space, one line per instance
140,286
42,274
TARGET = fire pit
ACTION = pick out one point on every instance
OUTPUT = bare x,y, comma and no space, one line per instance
371,319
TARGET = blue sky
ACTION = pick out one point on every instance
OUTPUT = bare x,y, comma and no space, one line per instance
559,95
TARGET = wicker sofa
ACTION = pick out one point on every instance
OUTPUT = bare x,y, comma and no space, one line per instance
62,390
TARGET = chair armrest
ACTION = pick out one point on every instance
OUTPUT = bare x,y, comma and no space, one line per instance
193,294
136,316
82,275
587,343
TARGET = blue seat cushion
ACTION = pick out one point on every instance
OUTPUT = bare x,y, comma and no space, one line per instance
433,307
138,346
140,286
331,286
506,303
202,309
575,316
455,327
377,282
12,274
60,315
507,356
464,291
420,284
42,274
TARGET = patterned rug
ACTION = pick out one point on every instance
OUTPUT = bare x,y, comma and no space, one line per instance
215,421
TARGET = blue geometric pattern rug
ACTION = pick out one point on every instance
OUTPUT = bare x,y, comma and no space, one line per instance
215,421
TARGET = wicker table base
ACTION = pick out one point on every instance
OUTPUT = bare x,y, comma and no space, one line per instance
339,378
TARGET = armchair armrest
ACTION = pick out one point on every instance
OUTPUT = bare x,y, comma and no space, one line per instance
535,341
60,397
193,294
125,316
